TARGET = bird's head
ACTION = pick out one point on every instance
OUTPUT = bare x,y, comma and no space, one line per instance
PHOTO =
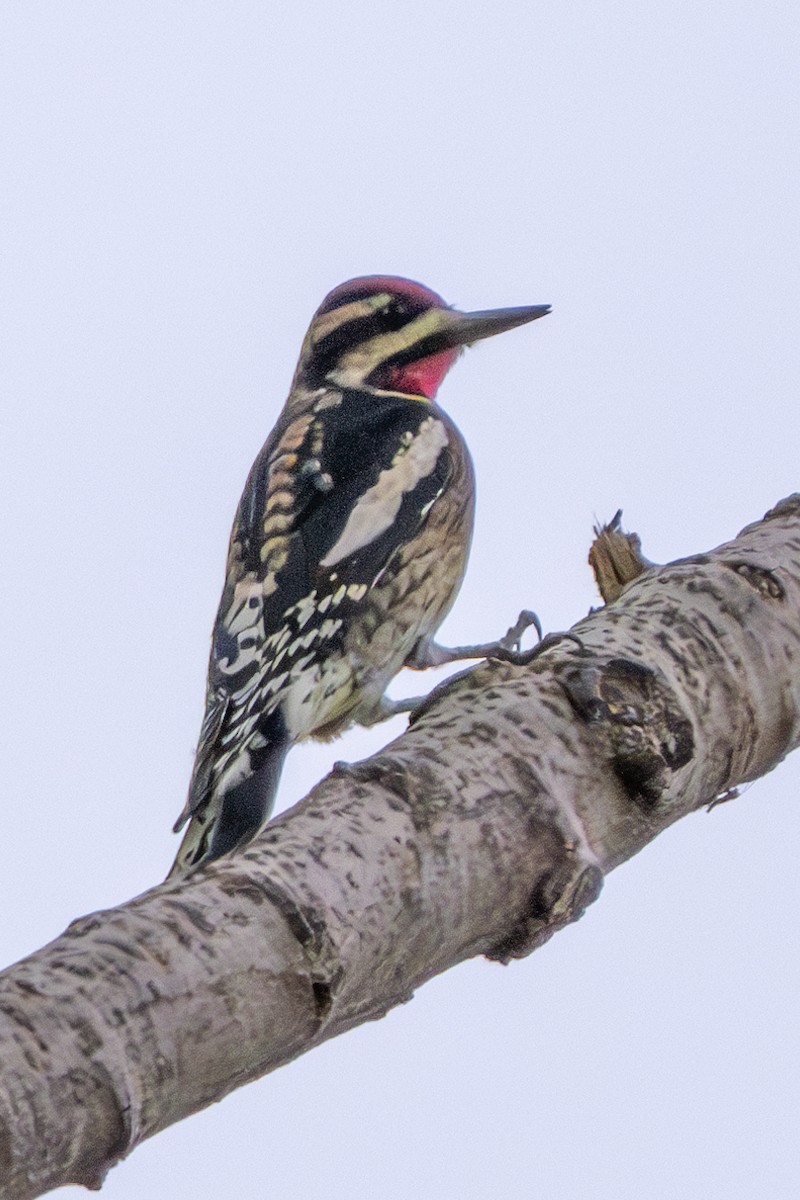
394,335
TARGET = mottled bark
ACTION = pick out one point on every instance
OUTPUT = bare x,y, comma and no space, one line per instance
482,830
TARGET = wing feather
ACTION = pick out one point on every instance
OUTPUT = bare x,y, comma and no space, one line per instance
307,551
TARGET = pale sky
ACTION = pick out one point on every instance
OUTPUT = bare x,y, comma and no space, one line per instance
181,184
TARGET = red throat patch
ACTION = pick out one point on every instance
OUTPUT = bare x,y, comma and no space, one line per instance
421,378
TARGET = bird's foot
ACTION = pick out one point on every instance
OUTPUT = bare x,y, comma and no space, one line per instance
386,708
521,658
428,653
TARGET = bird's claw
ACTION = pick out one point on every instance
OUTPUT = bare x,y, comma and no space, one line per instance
429,653
521,658
512,640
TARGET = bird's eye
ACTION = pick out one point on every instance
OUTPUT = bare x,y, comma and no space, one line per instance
395,314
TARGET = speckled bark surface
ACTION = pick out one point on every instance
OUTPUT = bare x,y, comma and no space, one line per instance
484,829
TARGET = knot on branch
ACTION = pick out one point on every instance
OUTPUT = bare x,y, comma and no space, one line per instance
414,786
560,897
762,579
308,925
648,734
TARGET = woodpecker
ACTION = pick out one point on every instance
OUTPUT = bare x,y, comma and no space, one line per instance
347,550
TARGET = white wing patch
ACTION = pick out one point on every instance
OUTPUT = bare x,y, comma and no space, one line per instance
377,509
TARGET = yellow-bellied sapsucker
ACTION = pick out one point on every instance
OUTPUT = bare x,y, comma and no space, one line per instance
348,547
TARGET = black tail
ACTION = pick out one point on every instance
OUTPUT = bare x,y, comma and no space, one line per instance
232,818
245,808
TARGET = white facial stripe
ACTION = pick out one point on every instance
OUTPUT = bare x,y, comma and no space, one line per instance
377,509
359,362
327,323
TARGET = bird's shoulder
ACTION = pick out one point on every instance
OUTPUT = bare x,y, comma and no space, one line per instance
320,461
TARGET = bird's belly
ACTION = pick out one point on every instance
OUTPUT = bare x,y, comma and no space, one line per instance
319,696
399,613
405,604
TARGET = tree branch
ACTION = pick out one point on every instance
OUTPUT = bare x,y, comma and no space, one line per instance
482,830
